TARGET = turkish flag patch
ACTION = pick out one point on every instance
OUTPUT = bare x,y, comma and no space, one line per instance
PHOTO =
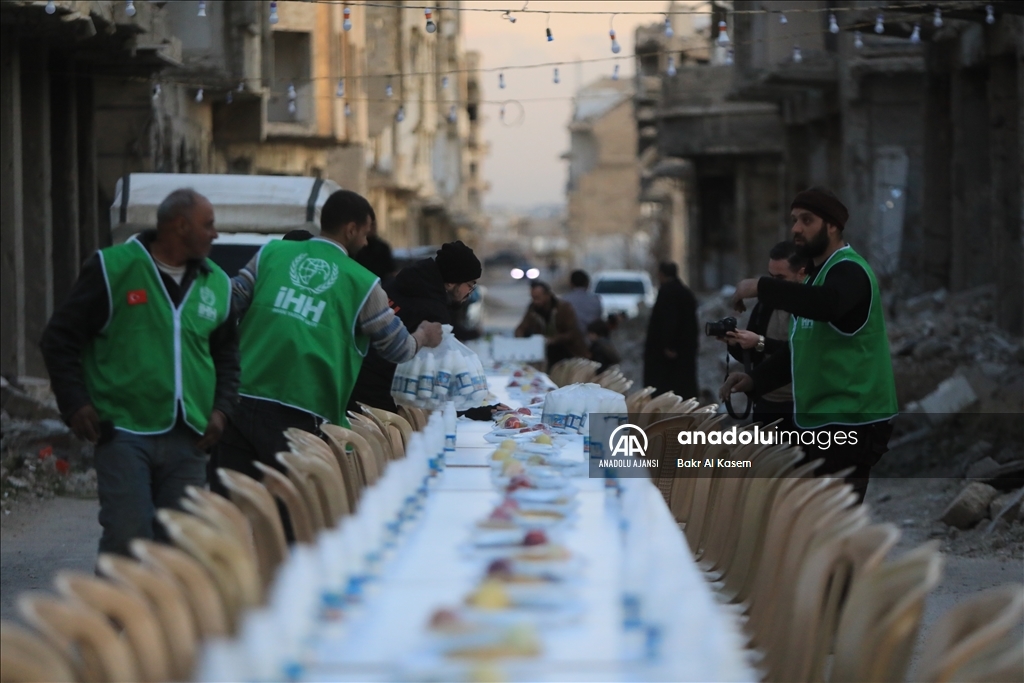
136,297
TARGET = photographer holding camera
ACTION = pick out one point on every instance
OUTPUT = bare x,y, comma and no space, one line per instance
839,360
767,333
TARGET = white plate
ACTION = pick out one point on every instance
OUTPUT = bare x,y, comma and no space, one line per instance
505,538
538,448
534,521
550,495
542,617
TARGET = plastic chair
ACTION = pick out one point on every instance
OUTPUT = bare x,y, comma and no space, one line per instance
653,409
222,514
350,446
130,611
27,658
256,502
882,615
303,442
638,399
204,601
967,631
281,488
379,443
386,420
323,486
225,558
83,636
169,604
417,417
1000,663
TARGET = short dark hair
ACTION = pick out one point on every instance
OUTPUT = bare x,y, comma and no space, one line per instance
376,257
177,204
787,251
579,278
668,269
542,285
297,235
344,207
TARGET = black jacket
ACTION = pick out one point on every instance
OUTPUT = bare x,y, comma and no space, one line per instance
415,294
673,322
85,312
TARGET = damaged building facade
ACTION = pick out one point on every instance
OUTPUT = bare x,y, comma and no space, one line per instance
921,136
94,90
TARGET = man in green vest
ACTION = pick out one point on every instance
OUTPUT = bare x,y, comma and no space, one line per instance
309,313
143,361
844,393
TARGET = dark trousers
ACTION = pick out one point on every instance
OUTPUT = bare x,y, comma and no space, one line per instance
872,444
678,375
255,433
138,474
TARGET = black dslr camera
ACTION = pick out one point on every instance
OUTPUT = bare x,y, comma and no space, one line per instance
719,328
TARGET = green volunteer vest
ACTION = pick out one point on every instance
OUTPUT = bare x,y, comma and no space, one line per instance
299,345
841,378
150,357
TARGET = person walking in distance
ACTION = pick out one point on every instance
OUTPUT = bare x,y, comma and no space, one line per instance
585,303
839,362
670,351
143,361
309,313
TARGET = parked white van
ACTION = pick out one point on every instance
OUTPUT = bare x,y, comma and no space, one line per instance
249,210
623,291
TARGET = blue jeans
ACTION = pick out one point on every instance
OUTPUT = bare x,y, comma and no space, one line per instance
138,474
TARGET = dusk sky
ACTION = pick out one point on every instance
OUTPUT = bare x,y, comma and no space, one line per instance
523,167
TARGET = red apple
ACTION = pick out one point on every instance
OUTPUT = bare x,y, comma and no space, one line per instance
517,373
513,423
499,568
524,411
535,537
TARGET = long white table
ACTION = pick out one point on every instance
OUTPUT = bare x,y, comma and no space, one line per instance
431,570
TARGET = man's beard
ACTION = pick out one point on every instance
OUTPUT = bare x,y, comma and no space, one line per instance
815,247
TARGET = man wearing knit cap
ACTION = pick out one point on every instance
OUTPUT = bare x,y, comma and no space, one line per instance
843,387
427,290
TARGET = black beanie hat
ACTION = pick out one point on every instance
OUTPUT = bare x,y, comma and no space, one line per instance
822,202
457,263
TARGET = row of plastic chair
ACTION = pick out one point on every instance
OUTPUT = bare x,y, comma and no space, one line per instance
804,570
573,371
144,619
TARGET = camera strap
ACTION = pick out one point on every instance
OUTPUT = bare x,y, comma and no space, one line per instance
747,368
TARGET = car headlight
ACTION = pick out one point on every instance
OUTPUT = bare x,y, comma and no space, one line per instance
533,273
517,274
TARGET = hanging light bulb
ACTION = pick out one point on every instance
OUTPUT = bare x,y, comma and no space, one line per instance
858,41
444,82
340,90
429,14
615,44
241,86
782,18
348,110
199,95
501,80
879,24
915,36
729,56
50,7
556,79
723,34
129,7
547,32
615,73
291,92
833,25
292,107
937,18
292,97
273,13
400,116
202,9
388,91
668,27
229,98
156,92
508,17
347,14
798,56
453,114
990,14
671,70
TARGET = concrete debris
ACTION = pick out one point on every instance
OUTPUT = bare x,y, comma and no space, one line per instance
970,506
1008,454
982,469
952,396
34,404
1007,505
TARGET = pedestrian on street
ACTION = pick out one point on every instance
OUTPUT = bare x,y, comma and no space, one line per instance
309,314
839,362
670,351
427,290
767,333
143,361
585,303
556,320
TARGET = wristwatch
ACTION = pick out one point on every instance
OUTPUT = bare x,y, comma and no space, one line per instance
760,344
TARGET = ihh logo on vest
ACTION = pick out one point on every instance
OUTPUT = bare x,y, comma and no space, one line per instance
207,307
314,275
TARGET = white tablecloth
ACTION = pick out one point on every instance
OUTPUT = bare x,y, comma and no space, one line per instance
432,570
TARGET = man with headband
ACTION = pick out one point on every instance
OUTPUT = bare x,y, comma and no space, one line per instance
839,362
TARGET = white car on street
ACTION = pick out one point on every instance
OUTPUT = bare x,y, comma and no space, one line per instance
624,291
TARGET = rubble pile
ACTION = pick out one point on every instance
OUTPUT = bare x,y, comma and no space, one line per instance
39,456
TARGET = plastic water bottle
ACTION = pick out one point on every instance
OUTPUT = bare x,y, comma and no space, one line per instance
425,389
450,420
